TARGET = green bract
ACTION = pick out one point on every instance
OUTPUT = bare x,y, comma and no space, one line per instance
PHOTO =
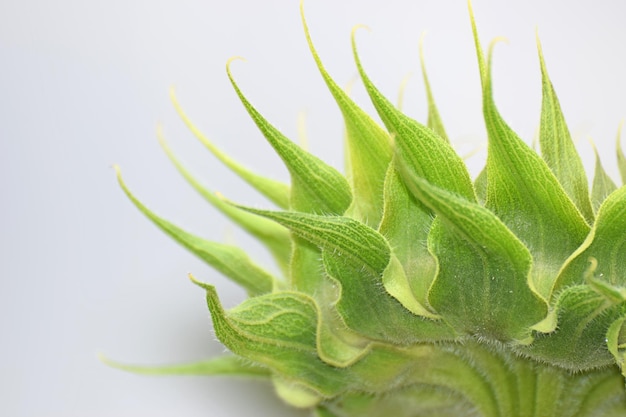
410,290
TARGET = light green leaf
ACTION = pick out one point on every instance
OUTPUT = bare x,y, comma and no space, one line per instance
405,225
368,146
275,237
229,260
425,153
621,159
602,184
337,344
606,244
295,394
315,186
397,285
482,285
275,191
222,365
579,342
557,147
525,194
480,185
278,331
434,119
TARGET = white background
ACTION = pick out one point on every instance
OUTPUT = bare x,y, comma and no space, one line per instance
83,85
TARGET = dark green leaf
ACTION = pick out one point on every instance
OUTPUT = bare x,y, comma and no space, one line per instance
426,154
482,285
606,244
356,256
525,194
405,225
315,186
579,341
368,146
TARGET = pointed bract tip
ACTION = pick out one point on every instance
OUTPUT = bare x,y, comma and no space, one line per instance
108,362
306,30
537,36
161,137
402,89
220,196
350,84
421,42
470,8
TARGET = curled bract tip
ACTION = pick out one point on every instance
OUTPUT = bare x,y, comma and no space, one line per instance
360,26
233,58
497,40
108,361
593,145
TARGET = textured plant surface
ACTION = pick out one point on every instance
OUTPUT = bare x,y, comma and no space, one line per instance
408,288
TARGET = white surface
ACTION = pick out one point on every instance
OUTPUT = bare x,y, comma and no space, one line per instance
82,86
